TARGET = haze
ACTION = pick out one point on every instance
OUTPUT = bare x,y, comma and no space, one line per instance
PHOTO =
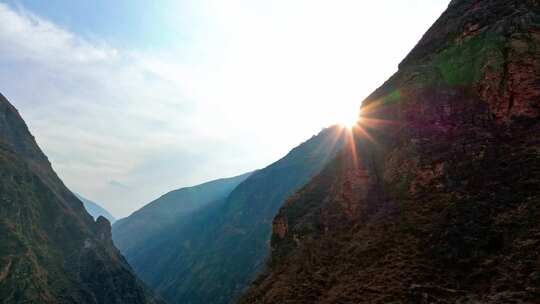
131,99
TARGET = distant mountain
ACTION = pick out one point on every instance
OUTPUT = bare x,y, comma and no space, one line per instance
95,210
212,253
51,250
137,233
438,199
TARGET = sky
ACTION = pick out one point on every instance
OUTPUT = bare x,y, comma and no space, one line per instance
131,99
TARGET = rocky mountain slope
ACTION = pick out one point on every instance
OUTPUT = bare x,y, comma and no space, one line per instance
95,210
52,251
210,255
438,200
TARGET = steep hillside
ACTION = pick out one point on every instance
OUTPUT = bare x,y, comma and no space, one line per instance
51,250
438,200
212,254
95,210
139,236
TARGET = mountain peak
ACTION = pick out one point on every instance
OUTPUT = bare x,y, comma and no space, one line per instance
103,228
94,209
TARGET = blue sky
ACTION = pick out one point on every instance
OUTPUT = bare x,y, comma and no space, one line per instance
128,23
131,99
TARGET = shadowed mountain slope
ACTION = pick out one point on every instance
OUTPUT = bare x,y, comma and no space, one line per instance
438,200
52,251
140,233
211,254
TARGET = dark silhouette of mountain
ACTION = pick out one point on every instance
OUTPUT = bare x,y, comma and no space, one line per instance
210,254
51,250
438,199
95,210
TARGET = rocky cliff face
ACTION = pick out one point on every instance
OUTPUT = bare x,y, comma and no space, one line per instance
51,250
438,199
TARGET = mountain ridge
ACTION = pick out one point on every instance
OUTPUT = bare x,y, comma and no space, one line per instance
213,253
52,250
157,216
437,199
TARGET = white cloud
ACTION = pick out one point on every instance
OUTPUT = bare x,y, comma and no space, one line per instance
98,112
255,79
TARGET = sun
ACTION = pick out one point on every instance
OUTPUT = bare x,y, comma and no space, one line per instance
349,120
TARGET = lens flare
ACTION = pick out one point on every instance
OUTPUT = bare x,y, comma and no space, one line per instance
349,120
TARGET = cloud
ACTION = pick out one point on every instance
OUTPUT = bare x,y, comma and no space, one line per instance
118,184
254,79
99,113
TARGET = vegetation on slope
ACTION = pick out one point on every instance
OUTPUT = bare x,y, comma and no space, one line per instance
52,251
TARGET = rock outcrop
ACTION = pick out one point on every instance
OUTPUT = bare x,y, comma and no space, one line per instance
95,210
438,200
51,250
